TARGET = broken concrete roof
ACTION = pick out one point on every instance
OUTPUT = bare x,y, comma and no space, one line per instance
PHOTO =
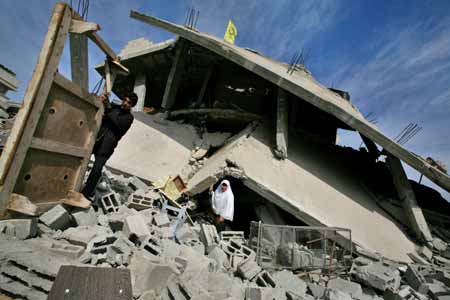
304,86
311,184
139,47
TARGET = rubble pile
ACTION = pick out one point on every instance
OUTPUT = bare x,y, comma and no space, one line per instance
169,258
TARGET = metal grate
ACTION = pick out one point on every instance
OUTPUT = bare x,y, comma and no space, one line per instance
301,247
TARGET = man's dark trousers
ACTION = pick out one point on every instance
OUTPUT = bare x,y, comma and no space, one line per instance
94,176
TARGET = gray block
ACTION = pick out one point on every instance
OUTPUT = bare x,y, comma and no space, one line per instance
209,236
416,280
316,290
82,235
139,202
135,225
219,256
67,250
377,275
110,202
248,269
258,293
19,228
56,218
85,217
404,293
264,279
334,294
161,220
438,291
352,288
287,280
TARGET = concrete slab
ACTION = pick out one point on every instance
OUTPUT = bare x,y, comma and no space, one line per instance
154,147
312,185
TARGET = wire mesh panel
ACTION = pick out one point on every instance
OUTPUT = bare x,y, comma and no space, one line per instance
301,247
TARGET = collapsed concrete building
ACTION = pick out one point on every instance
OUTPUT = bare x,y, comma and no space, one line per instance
283,148
210,110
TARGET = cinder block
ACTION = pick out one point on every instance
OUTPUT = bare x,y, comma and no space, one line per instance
416,280
259,293
85,217
352,288
209,236
135,225
110,202
291,283
139,202
82,235
405,293
335,294
232,248
19,228
67,250
56,218
237,236
377,275
248,269
151,246
264,279
161,220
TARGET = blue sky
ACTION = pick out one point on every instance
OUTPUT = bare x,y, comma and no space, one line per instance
392,56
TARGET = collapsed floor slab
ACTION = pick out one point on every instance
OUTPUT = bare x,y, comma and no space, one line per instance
311,184
154,148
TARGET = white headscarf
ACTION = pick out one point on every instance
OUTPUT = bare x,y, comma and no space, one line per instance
223,202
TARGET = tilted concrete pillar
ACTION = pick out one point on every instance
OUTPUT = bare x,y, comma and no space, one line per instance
140,89
408,199
282,125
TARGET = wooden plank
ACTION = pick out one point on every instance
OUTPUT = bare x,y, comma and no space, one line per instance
91,283
175,75
205,83
56,147
76,90
408,199
79,59
34,100
282,127
306,89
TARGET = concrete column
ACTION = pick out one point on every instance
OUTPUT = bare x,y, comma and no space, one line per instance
140,89
408,198
175,75
282,125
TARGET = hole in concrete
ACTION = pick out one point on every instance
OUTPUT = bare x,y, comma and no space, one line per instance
66,177
27,177
135,239
52,110
81,123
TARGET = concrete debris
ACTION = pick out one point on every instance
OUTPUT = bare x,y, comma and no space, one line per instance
56,218
377,275
19,228
135,230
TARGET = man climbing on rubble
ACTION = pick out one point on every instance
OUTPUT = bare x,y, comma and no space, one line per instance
222,203
116,121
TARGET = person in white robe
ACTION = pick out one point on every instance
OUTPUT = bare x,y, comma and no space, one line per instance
222,203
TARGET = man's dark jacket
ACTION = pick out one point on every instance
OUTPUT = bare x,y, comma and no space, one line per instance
115,124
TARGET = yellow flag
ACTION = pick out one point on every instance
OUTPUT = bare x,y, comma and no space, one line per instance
230,33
